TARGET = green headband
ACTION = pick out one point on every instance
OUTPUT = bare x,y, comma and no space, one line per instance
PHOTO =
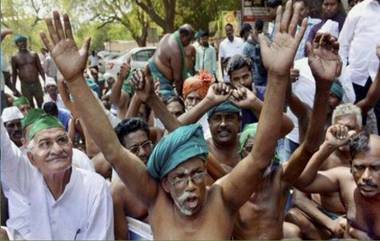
21,101
32,116
44,123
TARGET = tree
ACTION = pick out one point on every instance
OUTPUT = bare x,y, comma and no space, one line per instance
162,12
126,13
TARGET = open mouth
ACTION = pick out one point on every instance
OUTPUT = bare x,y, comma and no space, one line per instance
224,133
192,202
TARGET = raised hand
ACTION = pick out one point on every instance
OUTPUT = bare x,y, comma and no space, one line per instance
324,59
278,56
124,70
143,85
70,60
243,97
218,93
337,135
294,75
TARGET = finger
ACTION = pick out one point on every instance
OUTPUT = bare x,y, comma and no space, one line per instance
300,34
52,32
286,17
46,42
85,47
278,19
58,25
294,22
309,50
67,25
335,47
264,44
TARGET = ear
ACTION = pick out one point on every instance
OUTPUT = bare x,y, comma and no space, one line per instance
165,184
30,156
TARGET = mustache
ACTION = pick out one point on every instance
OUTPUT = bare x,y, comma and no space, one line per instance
186,196
368,184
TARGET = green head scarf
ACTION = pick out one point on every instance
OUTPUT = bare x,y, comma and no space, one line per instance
176,148
32,116
337,89
225,107
20,38
44,123
249,132
21,101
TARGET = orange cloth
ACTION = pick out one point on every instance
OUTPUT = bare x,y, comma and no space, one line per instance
199,83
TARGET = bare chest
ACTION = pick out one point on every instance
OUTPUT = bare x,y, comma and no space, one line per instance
23,60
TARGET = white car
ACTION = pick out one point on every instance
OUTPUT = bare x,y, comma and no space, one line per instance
139,58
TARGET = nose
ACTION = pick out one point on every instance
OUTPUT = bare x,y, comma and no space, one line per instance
223,121
366,177
56,148
190,185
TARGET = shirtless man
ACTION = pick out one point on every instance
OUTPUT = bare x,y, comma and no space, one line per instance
133,135
168,63
179,208
120,97
27,66
357,185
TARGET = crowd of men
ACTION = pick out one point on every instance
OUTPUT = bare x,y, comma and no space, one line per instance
284,145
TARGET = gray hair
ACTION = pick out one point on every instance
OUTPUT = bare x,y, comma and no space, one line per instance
347,109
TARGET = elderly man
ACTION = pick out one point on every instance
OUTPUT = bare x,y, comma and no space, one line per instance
180,206
168,63
63,202
23,104
51,90
27,67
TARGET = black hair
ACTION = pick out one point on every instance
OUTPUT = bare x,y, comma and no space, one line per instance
130,125
175,99
204,34
237,62
360,143
50,108
274,3
259,25
228,24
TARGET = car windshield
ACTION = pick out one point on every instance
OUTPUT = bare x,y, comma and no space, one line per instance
143,55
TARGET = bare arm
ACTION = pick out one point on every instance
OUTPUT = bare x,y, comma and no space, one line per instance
175,64
325,65
71,63
239,184
144,90
39,66
14,71
118,97
134,107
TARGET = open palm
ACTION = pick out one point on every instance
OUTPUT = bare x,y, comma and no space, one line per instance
278,56
324,59
70,60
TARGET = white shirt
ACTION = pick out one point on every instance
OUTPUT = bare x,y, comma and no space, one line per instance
83,211
358,39
93,60
229,49
81,160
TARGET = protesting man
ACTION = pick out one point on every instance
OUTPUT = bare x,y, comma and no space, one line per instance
179,208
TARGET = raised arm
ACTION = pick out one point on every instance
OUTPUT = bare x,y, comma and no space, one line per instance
373,94
325,65
278,57
71,62
246,99
312,180
143,84
119,98
216,94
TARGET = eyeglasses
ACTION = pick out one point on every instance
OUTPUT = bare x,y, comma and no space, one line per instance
183,181
136,148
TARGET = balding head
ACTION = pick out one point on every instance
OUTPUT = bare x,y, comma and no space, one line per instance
186,34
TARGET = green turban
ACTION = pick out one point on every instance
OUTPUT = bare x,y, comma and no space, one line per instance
176,148
20,38
337,89
225,107
21,101
248,132
45,122
32,116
